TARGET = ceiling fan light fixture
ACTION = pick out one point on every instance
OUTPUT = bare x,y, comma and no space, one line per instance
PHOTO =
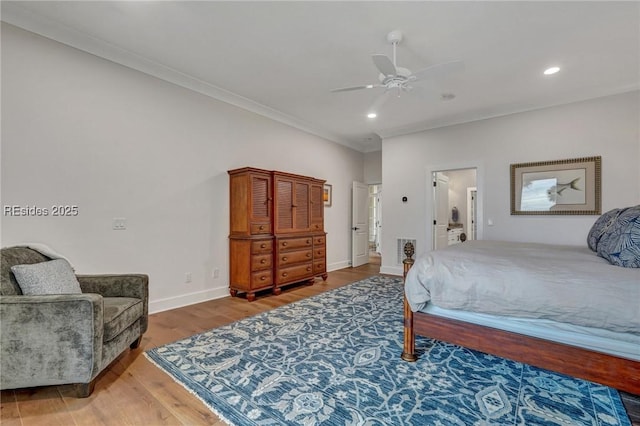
551,70
396,80
394,36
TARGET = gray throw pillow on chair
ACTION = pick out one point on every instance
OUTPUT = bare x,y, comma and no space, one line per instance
52,277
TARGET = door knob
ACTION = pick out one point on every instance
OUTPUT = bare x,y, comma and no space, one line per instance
355,228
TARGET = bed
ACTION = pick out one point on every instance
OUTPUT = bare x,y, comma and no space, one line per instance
561,308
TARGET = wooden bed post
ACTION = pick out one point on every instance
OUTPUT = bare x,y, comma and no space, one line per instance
409,349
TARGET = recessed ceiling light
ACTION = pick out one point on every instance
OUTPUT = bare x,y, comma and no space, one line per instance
369,86
551,70
372,115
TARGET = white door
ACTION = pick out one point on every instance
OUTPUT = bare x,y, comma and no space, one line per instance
471,213
360,225
441,209
379,221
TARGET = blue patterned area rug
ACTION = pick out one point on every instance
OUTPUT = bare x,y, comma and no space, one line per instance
334,359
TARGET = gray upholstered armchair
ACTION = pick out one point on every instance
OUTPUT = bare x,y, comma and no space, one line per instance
66,338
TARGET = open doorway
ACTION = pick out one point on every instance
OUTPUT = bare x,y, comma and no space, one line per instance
366,224
375,223
454,206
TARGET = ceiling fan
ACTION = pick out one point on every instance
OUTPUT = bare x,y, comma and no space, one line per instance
395,79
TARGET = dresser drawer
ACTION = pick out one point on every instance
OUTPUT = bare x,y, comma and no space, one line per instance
318,253
260,228
294,243
262,246
319,241
291,257
261,261
294,273
319,267
261,279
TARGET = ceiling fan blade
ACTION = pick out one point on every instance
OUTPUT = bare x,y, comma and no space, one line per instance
439,70
347,89
384,65
380,100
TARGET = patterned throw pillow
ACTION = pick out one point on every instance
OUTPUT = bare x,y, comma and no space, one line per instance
620,244
52,277
600,227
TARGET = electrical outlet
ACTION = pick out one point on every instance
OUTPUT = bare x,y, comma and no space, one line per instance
187,277
119,223
216,273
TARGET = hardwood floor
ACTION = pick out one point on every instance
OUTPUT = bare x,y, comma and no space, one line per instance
132,391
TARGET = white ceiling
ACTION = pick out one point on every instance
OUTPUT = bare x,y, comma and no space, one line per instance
281,59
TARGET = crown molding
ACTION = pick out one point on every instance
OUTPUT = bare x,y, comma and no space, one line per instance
515,109
15,15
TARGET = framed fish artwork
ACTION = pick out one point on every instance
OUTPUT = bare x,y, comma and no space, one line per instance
558,187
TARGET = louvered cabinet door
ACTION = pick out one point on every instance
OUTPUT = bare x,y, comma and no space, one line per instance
251,202
301,207
284,202
292,204
317,207
260,204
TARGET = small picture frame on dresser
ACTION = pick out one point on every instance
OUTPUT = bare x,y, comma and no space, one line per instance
326,195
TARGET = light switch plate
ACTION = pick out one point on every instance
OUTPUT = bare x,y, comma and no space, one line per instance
119,223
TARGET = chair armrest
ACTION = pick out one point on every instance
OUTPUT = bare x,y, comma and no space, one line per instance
52,339
119,285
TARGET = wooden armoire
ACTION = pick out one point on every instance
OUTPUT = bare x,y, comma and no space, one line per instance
277,232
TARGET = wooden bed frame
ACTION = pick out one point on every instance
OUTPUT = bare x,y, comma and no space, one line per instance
620,373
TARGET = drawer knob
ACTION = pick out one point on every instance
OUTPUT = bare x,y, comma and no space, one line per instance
284,244
308,254
262,278
284,259
308,268
284,274
263,261
308,242
263,245
262,227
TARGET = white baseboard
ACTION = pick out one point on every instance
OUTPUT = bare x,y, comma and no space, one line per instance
168,303
391,270
182,300
338,265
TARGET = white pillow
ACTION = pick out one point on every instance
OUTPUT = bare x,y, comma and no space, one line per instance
52,277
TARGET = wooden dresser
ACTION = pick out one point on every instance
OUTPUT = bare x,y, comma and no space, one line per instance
277,232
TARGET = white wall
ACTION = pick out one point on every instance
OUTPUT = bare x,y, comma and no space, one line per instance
608,127
373,167
84,131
